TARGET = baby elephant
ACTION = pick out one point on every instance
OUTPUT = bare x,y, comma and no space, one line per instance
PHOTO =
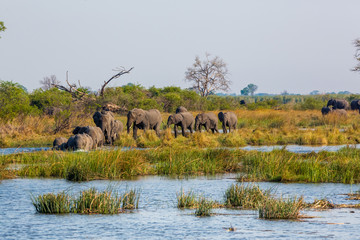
208,120
184,119
228,119
94,132
80,141
327,110
60,143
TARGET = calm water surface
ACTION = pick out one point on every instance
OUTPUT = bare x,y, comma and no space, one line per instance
158,217
290,148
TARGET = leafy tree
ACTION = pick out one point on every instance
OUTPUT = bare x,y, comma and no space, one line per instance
208,75
14,101
245,91
315,92
252,88
2,27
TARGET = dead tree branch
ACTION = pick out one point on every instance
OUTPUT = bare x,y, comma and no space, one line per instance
121,72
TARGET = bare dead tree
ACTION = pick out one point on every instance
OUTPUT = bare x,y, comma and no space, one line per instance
49,82
121,71
357,55
73,89
208,75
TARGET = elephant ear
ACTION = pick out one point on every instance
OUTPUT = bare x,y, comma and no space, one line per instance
221,116
140,116
96,117
178,117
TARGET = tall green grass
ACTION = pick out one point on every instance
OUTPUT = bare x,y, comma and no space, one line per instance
277,165
52,203
281,208
90,201
245,196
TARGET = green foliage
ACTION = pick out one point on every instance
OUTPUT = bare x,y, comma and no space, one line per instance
311,103
14,101
49,98
2,27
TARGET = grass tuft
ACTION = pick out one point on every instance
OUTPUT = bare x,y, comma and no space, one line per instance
245,196
52,203
272,208
89,201
204,208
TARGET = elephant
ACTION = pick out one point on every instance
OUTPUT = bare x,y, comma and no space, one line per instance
228,119
117,129
208,120
184,119
60,143
181,109
80,141
338,104
94,132
111,128
327,110
142,119
355,104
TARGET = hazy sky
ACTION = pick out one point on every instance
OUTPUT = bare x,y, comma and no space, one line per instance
293,45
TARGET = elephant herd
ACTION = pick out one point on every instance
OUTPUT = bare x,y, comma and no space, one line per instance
339,106
108,129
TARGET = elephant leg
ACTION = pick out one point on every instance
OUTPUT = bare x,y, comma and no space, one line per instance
175,130
224,128
183,129
135,132
191,129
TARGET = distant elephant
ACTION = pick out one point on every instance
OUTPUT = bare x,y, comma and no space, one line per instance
94,132
81,141
142,119
183,119
105,120
355,104
228,119
338,104
208,120
327,110
60,143
181,109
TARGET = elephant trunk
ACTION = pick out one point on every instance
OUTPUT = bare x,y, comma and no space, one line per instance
128,125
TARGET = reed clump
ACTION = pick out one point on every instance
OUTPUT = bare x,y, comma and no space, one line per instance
204,208
186,200
245,196
281,208
90,201
52,203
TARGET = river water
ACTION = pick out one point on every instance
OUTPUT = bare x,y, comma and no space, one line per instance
290,148
158,217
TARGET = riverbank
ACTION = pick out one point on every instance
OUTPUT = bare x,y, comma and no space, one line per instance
259,127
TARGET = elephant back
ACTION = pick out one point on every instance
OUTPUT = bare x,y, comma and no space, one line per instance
187,118
181,109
